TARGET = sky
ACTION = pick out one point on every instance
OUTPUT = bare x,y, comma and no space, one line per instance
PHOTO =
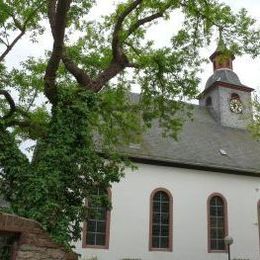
246,68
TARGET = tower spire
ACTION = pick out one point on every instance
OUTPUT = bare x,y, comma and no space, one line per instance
221,44
222,58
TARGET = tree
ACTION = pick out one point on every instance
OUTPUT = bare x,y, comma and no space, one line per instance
254,125
75,103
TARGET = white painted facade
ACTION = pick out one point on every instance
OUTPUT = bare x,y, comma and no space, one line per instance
129,228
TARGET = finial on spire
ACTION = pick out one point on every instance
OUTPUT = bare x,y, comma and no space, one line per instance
221,44
221,58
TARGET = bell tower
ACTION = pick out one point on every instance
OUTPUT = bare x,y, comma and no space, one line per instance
222,58
227,99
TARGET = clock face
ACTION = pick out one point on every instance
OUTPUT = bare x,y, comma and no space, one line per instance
236,106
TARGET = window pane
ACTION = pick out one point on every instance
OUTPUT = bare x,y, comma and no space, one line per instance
217,223
157,196
164,196
90,238
221,222
156,218
156,242
217,233
165,207
218,201
100,239
91,226
101,213
221,244
96,224
213,244
220,211
101,227
217,244
92,213
165,230
156,206
213,234
165,218
213,222
221,233
156,230
160,220
164,242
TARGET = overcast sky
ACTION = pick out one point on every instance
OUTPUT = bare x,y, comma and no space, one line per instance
247,69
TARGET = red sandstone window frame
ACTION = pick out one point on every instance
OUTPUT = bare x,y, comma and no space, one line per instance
216,194
170,248
108,220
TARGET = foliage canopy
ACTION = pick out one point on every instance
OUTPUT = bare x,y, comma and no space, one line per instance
75,103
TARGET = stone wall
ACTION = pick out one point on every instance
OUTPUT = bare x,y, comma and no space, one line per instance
33,242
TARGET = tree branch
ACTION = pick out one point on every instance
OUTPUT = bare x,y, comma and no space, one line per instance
22,29
10,47
32,101
33,129
201,14
80,75
118,26
16,22
118,63
51,14
50,87
120,60
3,42
85,81
21,124
106,75
32,14
143,21
136,51
11,103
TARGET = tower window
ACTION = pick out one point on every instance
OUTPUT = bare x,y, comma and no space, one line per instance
209,101
235,96
160,221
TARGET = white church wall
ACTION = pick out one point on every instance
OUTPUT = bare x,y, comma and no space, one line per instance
129,229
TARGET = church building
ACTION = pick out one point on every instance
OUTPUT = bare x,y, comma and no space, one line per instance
186,196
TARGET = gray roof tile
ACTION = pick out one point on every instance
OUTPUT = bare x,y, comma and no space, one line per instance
199,144
223,75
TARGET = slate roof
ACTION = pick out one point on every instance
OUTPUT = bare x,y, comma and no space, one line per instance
223,75
201,143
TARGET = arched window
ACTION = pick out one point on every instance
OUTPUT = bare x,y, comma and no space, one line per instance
96,228
217,223
160,220
235,96
208,102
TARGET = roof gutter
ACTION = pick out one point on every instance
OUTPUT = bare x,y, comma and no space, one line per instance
194,166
